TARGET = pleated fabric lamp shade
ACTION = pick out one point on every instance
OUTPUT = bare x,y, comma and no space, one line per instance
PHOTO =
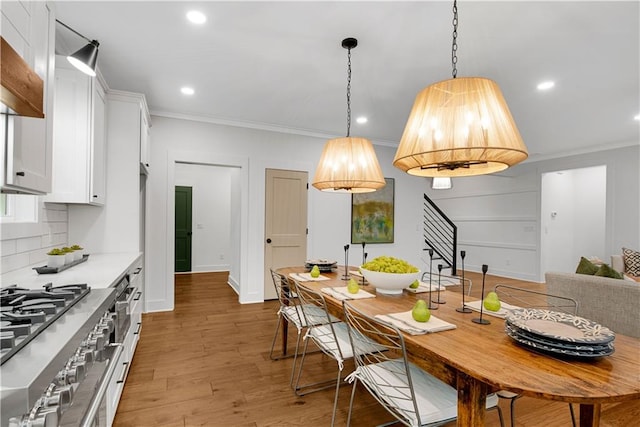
348,165
459,127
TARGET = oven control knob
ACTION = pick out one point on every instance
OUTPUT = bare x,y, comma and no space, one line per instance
58,396
95,341
86,354
61,378
40,416
76,372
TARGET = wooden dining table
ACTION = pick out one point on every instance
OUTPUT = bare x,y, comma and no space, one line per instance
479,359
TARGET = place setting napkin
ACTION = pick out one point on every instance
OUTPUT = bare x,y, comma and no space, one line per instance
306,277
404,321
504,308
341,293
424,287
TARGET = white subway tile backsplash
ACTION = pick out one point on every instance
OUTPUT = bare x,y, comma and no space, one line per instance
8,247
23,244
28,244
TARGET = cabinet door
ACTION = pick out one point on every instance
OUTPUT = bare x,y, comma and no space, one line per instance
28,143
99,157
144,143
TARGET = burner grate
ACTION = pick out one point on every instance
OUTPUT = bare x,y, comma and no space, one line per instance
24,313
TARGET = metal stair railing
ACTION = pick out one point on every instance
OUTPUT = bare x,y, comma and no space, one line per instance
440,234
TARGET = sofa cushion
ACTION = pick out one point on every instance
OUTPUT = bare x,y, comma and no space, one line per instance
606,271
631,261
586,267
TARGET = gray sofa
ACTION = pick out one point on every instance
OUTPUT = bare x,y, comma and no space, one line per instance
613,303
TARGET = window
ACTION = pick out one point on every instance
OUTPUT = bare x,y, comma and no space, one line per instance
18,208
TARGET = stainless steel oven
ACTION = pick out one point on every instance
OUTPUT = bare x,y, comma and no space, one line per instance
121,311
63,358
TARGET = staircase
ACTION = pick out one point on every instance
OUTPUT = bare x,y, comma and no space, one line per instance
440,234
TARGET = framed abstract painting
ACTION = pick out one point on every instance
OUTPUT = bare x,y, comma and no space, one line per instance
372,215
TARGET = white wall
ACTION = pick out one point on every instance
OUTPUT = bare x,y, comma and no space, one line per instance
252,151
211,214
499,216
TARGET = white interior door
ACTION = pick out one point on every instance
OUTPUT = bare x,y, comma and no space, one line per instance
285,222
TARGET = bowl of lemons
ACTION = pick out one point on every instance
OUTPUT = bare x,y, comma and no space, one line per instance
389,275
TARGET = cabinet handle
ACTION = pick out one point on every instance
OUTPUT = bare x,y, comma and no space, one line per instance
20,173
146,164
138,330
95,196
138,295
124,373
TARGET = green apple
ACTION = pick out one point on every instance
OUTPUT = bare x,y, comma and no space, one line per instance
352,286
420,311
492,302
414,285
315,272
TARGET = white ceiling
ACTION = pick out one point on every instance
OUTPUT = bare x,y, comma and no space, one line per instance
279,65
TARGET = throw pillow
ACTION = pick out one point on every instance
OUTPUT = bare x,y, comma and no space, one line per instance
631,261
606,271
586,267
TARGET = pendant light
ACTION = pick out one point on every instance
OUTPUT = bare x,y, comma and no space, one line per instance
85,58
459,127
349,164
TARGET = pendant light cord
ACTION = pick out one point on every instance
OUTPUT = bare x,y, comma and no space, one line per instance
454,44
348,92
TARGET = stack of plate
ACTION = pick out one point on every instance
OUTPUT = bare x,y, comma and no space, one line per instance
559,333
324,265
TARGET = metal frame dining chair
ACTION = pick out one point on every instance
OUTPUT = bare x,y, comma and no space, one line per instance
528,298
413,396
290,311
330,336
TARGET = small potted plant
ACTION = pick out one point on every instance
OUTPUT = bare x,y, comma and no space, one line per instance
68,254
55,258
78,252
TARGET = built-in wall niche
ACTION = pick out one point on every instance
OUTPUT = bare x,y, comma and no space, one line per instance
573,217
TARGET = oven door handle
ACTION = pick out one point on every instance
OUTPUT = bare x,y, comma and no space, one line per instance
94,406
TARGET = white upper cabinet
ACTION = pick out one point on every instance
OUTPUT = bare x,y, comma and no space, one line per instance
145,139
79,137
29,27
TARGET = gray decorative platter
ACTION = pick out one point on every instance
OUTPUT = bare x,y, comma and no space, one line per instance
559,326
559,344
513,333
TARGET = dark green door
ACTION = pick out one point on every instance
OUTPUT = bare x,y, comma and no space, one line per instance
183,229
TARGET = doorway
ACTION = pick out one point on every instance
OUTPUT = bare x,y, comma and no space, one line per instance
183,233
285,222
573,217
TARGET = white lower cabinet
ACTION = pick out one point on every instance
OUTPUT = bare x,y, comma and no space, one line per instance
116,384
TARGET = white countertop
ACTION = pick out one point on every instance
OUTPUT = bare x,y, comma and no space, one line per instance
99,271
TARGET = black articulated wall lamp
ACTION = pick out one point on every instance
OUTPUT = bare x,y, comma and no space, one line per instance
86,58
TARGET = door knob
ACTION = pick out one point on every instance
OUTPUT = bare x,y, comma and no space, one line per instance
268,240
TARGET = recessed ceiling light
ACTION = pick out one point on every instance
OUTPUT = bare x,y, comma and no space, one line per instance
637,117
546,85
196,17
362,120
187,90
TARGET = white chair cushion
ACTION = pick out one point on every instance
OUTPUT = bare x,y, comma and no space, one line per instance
436,401
340,346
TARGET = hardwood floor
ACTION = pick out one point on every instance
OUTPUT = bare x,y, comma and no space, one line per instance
207,364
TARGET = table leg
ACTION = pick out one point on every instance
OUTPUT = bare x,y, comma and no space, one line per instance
472,397
590,415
